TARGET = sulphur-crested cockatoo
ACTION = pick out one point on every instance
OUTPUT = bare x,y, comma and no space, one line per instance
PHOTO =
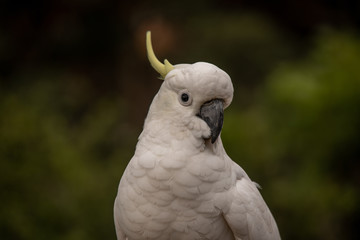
181,184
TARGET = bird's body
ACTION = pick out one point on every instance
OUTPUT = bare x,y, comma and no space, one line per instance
180,184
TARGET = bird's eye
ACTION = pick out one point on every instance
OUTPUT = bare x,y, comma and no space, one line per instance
185,98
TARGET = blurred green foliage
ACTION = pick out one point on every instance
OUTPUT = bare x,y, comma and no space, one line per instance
300,140
75,86
58,174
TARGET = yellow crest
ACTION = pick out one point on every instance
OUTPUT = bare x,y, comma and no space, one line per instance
163,69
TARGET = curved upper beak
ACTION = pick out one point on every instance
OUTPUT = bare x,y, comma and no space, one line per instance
212,113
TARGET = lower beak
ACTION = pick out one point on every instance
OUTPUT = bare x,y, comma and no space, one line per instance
212,113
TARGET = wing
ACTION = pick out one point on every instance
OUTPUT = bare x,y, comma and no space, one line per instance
248,215
119,233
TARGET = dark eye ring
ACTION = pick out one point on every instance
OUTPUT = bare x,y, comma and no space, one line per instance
185,98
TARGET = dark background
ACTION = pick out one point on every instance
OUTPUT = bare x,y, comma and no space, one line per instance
75,86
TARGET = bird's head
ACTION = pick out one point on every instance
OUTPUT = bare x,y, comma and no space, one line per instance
192,94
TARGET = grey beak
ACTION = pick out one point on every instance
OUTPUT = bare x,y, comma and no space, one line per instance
212,113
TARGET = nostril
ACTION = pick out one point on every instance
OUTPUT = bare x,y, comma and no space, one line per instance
211,101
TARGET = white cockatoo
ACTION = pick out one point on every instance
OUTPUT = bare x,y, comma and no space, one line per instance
180,183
